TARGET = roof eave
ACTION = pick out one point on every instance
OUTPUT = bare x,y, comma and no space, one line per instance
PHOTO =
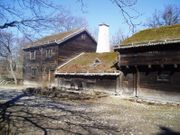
127,46
36,46
88,74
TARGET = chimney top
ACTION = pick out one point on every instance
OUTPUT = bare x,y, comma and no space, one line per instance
101,24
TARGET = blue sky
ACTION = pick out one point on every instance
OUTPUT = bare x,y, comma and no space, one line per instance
104,11
99,11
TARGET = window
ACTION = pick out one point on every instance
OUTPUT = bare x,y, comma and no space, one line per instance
83,36
163,77
32,55
48,53
34,72
96,62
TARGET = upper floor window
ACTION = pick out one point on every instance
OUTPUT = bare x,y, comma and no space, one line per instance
34,72
49,53
83,36
32,55
163,77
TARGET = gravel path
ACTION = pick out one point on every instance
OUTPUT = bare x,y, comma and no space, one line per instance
32,115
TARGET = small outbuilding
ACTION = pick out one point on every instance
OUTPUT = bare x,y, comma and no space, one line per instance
89,71
150,62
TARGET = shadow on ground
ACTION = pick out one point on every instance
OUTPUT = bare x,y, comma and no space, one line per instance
27,114
167,131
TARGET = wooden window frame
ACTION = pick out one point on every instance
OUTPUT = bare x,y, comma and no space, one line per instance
163,77
32,55
33,72
49,53
83,37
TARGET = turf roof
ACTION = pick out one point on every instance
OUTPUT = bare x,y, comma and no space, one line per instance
91,62
154,35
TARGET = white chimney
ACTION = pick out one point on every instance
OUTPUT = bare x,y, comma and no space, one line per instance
103,39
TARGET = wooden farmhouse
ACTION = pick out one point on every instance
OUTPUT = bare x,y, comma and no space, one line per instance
45,55
90,71
150,63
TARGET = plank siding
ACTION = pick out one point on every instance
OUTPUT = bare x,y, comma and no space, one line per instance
91,83
156,71
150,87
151,58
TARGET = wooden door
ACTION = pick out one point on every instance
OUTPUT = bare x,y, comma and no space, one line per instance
129,84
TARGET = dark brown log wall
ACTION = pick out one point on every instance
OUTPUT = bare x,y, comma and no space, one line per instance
163,86
151,72
105,83
60,54
75,46
150,58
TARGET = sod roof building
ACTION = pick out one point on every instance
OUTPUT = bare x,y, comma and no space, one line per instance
150,61
90,71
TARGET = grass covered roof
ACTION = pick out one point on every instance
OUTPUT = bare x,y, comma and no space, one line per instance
91,63
154,35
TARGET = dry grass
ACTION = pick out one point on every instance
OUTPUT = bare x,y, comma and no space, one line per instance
154,35
86,63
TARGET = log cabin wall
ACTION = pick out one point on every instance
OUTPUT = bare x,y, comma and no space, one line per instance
73,47
150,55
89,83
162,85
151,72
40,70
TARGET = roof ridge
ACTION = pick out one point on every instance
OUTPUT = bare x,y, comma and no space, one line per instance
71,35
69,61
160,27
154,35
53,39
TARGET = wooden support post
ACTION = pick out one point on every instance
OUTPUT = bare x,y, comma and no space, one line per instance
136,82
49,76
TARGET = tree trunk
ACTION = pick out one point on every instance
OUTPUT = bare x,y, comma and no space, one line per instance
11,70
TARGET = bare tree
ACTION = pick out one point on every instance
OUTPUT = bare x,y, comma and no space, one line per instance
127,11
65,21
117,38
125,7
6,47
35,17
169,16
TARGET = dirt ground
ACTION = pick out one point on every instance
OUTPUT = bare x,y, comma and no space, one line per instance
34,115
